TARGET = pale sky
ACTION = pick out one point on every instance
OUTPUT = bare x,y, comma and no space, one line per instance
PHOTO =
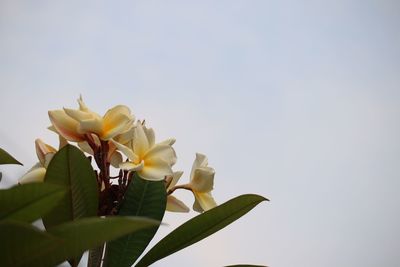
298,101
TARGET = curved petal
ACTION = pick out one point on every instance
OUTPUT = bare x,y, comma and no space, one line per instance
79,115
42,149
155,170
165,152
175,178
196,206
62,142
205,201
140,142
116,159
115,121
175,205
82,105
93,125
126,151
34,175
47,158
126,136
151,137
129,166
202,179
65,125
200,161
169,141
84,146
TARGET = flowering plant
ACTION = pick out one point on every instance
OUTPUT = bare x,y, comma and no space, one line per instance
85,208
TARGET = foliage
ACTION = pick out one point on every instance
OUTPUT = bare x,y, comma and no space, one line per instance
84,208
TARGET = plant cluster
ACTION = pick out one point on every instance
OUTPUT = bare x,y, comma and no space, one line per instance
85,208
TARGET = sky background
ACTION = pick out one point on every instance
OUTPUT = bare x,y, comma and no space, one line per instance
298,101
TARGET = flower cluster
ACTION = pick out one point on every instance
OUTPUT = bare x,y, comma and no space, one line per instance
117,139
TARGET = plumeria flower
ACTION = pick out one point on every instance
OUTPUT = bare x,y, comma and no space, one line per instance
174,204
73,124
150,160
113,156
201,183
45,153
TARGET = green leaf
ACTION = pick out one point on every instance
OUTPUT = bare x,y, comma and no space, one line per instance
22,245
29,202
201,227
6,158
71,169
145,199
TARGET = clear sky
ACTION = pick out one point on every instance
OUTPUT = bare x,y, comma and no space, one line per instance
296,100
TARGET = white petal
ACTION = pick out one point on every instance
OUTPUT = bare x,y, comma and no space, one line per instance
116,159
140,142
47,158
164,152
129,166
82,105
62,142
196,206
126,151
200,161
65,125
79,115
150,135
205,201
93,125
126,136
33,175
175,178
169,142
175,205
84,146
115,121
203,179
42,149
155,170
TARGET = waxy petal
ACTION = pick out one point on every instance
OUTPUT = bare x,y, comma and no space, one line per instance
202,179
93,125
35,174
115,159
80,115
126,151
175,205
129,166
169,141
151,138
140,142
84,146
203,202
126,136
155,170
82,105
200,161
42,149
165,152
115,121
65,125
175,178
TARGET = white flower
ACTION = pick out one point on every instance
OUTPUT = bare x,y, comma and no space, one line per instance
73,124
174,204
44,153
151,161
202,183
